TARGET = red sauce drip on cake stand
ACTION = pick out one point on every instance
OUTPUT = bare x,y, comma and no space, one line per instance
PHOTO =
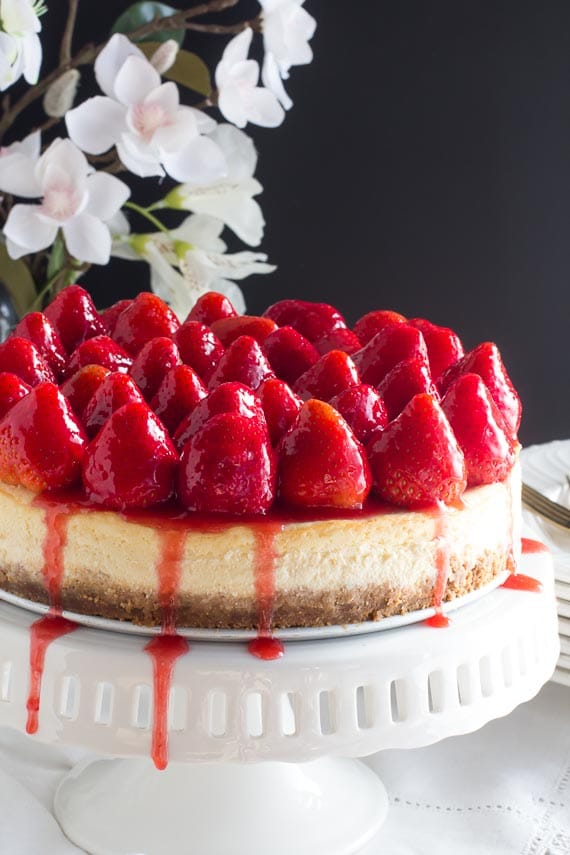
165,649
439,620
52,626
265,646
530,547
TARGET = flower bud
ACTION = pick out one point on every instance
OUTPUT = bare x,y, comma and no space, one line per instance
60,95
164,57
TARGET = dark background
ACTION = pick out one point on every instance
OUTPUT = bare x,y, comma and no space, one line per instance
424,168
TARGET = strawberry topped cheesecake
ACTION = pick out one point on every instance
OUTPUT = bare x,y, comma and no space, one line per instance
238,471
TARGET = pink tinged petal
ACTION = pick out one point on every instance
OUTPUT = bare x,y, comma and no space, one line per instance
88,239
97,124
272,81
166,95
136,79
231,106
138,157
65,156
173,137
200,162
263,108
32,57
238,49
245,74
107,195
26,228
17,176
109,62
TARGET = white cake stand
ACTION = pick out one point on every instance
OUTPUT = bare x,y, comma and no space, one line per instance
304,716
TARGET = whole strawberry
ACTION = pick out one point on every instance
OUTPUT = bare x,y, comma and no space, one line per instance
321,463
152,363
131,463
19,356
368,325
386,349
12,390
80,388
363,410
408,378
42,444
226,398
331,375
37,328
199,348
179,392
114,392
228,329
228,467
289,353
146,318
100,350
211,307
416,461
280,405
244,362
313,320
74,316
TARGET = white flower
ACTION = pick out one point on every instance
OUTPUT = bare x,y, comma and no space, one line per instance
195,248
74,198
231,198
287,29
154,134
17,163
20,46
240,99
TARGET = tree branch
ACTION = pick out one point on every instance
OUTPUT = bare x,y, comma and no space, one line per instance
66,42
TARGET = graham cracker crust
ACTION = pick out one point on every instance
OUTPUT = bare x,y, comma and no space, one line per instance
298,608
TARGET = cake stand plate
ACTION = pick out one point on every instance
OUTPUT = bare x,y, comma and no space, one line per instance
303,715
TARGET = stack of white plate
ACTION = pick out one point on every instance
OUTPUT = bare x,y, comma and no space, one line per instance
546,468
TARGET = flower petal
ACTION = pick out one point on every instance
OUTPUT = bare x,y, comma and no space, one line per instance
17,175
272,81
88,239
110,60
244,74
138,157
176,135
32,57
65,156
28,229
238,48
202,231
201,162
135,81
231,105
238,149
19,17
107,194
97,124
263,108
237,210
30,145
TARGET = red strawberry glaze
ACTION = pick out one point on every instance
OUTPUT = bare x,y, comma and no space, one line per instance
42,633
530,547
439,620
265,646
520,582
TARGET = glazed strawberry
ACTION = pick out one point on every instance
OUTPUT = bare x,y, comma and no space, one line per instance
100,350
228,329
339,339
363,410
199,348
280,405
152,364
179,392
131,463
226,398
20,357
211,307
38,329
12,390
228,467
313,320
417,461
114,392
372,323
388,347
146,318
110,316
332,374
243,361
321,463
408,378
74,317
80,388
443,345
289,353
479,429
485,360
41,442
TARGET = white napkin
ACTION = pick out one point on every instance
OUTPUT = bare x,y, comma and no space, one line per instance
504,790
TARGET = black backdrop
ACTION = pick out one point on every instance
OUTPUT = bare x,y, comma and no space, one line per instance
425,168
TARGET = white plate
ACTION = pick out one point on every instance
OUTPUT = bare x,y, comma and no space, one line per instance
301,634
545,468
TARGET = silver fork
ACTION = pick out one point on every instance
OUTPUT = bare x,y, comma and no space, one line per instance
552,511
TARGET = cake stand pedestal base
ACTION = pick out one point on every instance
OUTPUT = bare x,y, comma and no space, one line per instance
121,807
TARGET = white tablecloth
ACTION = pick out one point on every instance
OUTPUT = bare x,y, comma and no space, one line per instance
504,790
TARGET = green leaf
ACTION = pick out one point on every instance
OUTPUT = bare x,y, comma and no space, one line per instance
188,69
56,258
18,281
142,13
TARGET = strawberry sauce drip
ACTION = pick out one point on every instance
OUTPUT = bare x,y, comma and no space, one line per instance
439,620
529,546
520,582
265,646
52,626
168,647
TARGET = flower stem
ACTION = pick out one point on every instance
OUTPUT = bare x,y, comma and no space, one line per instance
66,42
145,212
